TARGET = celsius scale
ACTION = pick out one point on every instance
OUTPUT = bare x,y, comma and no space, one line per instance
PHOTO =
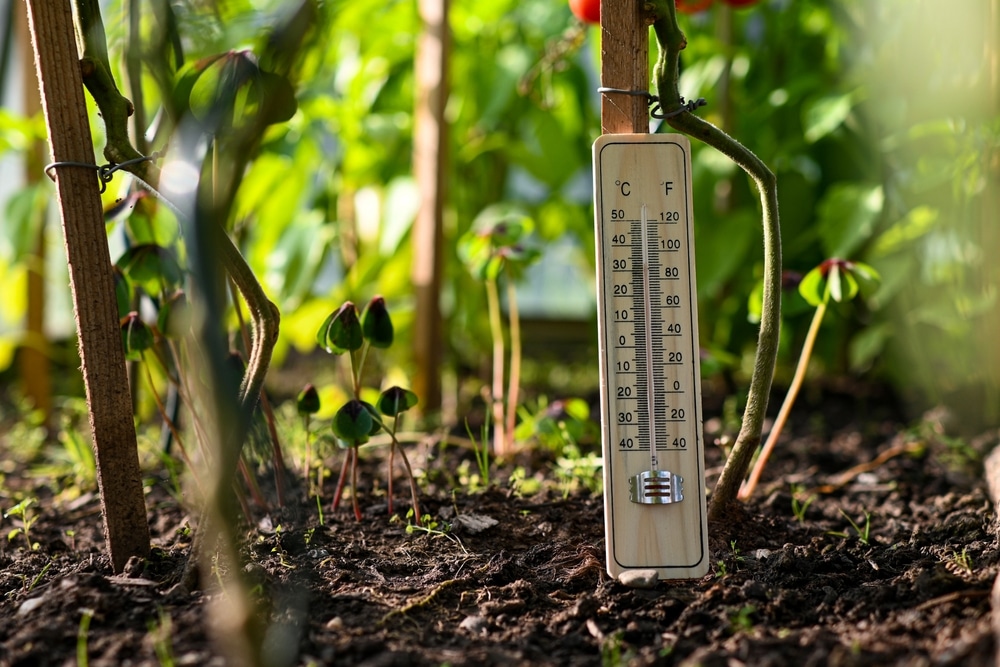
651,421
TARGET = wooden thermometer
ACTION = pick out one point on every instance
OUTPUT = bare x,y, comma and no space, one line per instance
651,422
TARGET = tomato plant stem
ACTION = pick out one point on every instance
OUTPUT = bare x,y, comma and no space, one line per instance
671,42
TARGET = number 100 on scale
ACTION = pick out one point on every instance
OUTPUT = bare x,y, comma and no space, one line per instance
669,340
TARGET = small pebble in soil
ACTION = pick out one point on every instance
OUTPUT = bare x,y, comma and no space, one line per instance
639,578
475,624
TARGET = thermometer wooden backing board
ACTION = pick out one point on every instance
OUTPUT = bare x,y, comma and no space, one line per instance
651,421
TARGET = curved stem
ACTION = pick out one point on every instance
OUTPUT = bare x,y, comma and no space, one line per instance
671,42
793,391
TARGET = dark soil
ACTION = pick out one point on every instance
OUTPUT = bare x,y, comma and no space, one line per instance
911,589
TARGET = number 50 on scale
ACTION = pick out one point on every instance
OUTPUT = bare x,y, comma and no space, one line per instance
651,422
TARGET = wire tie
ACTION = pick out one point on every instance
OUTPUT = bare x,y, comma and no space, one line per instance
104,172
657,112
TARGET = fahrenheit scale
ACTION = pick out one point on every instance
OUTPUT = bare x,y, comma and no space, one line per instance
651,422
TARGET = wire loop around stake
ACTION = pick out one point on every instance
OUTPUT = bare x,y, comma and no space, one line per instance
651,100
105,172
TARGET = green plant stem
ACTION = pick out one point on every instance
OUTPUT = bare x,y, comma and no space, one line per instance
793,391
496,330
307,465
514,382
671,42
265,405
81,638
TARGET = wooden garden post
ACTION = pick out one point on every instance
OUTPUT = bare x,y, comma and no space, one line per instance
625,66
36,372
58,66
429,161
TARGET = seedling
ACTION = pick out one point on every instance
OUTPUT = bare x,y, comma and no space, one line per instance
161,633
741,620
963,560
861,531
307,405
344,331
837,279
481,450
81,638
800,502
27,518
494,246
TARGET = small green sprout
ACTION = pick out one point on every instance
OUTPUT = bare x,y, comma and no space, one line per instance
27,518
863,532
800,502
307,404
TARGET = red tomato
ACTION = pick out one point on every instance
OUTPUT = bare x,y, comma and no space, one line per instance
588,11
692,6
740,3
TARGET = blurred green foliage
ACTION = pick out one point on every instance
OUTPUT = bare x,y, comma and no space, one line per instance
880,120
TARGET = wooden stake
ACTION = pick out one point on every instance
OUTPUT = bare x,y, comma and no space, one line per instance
624,65
35,368
118,475
429,154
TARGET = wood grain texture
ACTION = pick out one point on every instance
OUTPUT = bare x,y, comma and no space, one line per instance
624,65
118,475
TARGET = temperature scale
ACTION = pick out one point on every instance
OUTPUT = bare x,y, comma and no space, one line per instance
651,422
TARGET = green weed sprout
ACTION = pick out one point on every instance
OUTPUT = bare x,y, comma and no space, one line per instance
345,332
28,519
863,532
495,245
840,280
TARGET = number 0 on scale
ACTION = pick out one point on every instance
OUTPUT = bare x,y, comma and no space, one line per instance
651,422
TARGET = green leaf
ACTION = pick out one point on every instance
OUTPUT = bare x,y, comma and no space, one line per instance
833,282
847,217
353,423
123,292
341,331
307,402
813,287
396,400
823,116
136,336
376,325
231,91
151,267
174,315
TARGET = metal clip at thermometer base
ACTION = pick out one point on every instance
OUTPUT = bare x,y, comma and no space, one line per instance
651,422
